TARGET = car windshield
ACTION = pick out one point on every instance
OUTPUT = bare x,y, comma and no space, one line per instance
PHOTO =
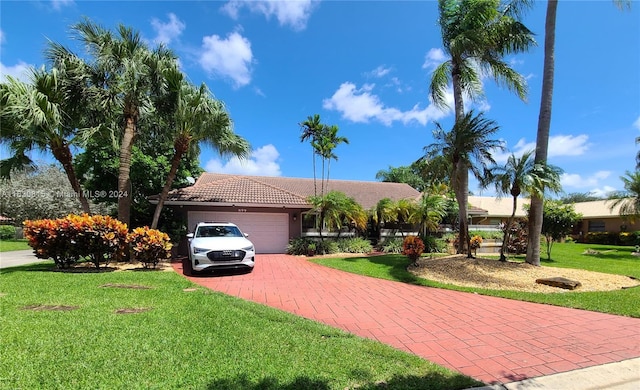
218,231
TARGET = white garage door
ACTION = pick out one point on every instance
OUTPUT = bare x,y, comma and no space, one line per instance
268,232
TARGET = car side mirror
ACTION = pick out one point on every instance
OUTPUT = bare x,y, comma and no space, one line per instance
246,234
189,235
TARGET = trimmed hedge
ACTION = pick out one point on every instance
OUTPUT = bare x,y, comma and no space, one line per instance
300,246
609,238
7,232
97,238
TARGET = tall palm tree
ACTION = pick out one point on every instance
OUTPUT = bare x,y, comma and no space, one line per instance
544,125
469,147
35,116
122,77
326,143
311,129
477,34
198,118
629,199
522,176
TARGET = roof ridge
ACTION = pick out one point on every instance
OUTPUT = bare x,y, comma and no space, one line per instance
253,178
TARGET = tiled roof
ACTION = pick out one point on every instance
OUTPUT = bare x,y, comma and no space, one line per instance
598,209
499,207
267,190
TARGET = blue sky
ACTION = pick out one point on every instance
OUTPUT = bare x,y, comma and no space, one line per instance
365,67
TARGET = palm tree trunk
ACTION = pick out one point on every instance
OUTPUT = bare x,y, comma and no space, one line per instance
124,180
544,124
507,231
461,191
180,148
63,155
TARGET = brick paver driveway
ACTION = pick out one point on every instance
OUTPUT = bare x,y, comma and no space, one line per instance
492,339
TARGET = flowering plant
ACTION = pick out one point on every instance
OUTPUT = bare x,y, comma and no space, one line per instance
412,247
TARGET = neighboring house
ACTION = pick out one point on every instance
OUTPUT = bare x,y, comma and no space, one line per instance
597,216
496,210
270,209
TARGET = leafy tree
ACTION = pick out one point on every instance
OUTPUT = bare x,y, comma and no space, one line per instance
198,117
544,124
579,197
39,116
123,82
402,174
629,199
41,193
477,34
558,220
468,147
522,176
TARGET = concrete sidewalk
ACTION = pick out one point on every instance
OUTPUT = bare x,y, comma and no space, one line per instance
15,258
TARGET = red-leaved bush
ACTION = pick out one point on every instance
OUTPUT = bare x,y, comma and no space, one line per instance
97,238
412,247
149,246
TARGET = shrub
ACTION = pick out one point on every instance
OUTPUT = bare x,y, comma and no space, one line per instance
354,245
392,245
149,246
475,243
518,237
487,234
67,240
434,245
412,247
298,246
7,232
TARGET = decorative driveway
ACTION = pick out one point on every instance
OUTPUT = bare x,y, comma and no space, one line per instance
494,340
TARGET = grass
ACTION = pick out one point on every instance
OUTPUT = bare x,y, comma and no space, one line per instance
13,245
612,259
185,340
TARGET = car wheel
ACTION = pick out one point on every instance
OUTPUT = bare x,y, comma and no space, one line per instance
187,267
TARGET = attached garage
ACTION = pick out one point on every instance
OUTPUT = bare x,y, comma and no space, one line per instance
269,232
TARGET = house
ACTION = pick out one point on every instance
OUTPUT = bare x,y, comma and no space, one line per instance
598,216
269,209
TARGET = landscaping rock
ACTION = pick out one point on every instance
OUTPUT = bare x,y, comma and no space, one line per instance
560,282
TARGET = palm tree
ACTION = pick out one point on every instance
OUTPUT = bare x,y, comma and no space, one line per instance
477,35
325,144
638,155
35,116
429,212
123,79
468,147
339,210
311,129
198,117
522,176
544,125
629,199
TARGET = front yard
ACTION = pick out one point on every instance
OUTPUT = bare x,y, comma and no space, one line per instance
156,330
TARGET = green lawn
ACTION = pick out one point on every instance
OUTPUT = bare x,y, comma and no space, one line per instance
615,260
13,245
186,340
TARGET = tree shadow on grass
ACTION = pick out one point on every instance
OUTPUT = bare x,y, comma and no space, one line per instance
434,380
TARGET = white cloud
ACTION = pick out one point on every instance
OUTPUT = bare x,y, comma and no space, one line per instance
58,4
262,162
636,124
602,192
293,13
18,71
360,105
577,181
169,31
559,145
433,58
229,57
378,72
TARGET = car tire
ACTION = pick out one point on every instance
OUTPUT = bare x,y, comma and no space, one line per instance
187,267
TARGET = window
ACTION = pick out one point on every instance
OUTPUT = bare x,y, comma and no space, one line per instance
596,226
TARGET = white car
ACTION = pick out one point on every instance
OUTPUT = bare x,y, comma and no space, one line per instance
218,246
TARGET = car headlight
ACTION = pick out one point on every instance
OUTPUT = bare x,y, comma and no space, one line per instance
248,248
199,250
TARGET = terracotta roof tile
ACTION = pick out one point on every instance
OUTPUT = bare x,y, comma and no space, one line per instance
223,188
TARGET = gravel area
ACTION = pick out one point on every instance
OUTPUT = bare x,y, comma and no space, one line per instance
496,275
